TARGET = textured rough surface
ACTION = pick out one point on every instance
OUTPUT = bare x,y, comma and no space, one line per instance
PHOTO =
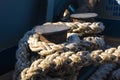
82,28
116,74
38,60
103,72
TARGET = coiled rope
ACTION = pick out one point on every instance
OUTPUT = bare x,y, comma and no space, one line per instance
49,61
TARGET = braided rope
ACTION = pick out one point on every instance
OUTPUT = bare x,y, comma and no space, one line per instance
50,65
82,28
48,61
73,43
22,54
24,57
116,74
58,61
103,72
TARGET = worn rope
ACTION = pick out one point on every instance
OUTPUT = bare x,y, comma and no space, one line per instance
73,43
116,74
48,61
67,60
82,28
22,54
102,72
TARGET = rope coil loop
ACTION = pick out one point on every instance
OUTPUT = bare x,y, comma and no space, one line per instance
39,60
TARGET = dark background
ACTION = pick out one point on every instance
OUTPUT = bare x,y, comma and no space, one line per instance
16,18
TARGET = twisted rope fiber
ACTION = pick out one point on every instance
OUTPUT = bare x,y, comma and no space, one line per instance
82,28
22,54
116,74
49,51
73,43
103,72
106,72
23,60
71,59
59,60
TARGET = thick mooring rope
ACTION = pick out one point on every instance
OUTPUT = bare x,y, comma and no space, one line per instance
38,60
116,74
103,72
82,28
58,61
22,54
73,43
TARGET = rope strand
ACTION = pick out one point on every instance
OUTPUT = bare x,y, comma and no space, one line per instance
48,61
